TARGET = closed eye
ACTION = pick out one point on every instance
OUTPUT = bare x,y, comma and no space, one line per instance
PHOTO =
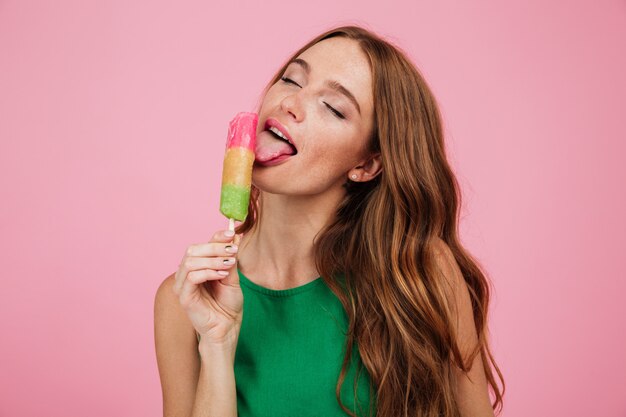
289,80
339,115
335,112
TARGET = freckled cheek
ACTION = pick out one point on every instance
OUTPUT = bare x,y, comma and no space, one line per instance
330,161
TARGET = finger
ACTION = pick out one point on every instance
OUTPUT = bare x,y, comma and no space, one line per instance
194,263
214,262
188,292
233,277
185,266
223,236
179,277
194,280
217,247
202,275
212,249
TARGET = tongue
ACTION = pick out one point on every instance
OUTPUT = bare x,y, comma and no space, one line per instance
269,147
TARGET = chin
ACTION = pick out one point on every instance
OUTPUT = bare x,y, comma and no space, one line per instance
265,183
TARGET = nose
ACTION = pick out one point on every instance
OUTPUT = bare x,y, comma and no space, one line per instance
292,105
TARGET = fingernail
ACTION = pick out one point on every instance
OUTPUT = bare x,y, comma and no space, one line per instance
229,261
229,233
223,273
231,248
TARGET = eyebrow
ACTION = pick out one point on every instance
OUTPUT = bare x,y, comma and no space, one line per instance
332,84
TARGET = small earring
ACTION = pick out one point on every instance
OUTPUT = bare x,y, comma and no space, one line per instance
354,176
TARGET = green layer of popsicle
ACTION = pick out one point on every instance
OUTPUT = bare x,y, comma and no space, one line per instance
234,201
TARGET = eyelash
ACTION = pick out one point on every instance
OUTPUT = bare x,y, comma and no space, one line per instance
335,112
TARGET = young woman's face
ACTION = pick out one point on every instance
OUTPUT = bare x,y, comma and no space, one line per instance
328,144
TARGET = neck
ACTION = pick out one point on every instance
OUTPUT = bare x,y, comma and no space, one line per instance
278,252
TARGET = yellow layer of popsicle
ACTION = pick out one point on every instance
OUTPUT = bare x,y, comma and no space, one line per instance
238,167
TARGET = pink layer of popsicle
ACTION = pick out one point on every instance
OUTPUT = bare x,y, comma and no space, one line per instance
242,131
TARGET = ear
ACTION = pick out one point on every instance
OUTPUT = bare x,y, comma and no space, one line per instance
366,170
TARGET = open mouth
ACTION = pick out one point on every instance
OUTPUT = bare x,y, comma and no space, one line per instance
273,145
280,136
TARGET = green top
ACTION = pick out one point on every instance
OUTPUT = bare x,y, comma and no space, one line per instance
290,351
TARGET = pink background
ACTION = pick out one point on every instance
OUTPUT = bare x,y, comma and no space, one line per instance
112,121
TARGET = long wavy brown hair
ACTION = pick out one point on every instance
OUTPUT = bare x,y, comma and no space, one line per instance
382,241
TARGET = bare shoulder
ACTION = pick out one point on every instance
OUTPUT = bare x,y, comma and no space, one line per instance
456,290
448,265
165,288
471,387
167,309
165,297
170,320
176,351
441,249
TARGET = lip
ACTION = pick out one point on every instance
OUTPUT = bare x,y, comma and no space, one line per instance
272,162
271,122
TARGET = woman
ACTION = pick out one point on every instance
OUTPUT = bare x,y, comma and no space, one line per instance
359,298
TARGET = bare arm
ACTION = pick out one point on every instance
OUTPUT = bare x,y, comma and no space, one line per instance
196,380
216,394
471,388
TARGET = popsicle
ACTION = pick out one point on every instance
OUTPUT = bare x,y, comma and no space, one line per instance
237,170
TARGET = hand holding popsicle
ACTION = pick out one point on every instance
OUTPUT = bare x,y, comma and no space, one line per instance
207,284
